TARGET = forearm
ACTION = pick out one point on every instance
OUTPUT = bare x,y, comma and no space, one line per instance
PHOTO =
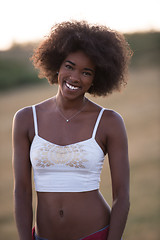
119,214
23,214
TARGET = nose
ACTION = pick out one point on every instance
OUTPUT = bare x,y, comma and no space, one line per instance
75,77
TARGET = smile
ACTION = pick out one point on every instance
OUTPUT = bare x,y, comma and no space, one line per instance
71,86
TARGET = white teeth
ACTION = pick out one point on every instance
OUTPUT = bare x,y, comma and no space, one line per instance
71,87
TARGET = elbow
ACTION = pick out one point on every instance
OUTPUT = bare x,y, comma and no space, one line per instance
125,198
122,199
127,204
22,192
22,198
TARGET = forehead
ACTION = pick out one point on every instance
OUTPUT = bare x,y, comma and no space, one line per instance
80,59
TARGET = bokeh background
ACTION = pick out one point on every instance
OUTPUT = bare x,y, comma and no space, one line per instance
23,24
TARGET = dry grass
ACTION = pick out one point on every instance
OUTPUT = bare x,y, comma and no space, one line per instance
139,105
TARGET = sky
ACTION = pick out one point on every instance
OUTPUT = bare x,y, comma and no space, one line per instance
31,20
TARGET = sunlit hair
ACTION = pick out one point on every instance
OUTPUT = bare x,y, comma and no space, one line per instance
108,50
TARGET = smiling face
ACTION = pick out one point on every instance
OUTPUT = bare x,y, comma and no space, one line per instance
76,75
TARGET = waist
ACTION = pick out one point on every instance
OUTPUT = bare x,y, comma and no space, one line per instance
71,211
69,199
71,206
62,198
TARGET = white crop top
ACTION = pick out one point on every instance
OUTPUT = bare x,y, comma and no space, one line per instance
71,168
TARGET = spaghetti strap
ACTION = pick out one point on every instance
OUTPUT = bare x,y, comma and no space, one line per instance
35,120
97,123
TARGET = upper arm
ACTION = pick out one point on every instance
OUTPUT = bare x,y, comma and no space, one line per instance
117,146
21,150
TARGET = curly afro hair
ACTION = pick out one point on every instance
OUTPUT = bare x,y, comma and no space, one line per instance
108,50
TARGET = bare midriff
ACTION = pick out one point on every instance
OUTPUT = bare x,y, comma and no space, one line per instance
70,216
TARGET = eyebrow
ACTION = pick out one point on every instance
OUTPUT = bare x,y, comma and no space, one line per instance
87,69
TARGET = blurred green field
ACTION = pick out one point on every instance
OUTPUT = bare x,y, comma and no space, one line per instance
16,68
139,106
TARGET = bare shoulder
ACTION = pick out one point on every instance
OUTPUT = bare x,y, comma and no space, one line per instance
23,118
111,115
113,121
23,112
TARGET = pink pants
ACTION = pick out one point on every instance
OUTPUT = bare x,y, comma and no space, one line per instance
99,235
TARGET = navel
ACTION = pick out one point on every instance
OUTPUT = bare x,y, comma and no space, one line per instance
61,213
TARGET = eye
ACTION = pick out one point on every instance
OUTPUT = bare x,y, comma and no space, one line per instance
69,67
87,74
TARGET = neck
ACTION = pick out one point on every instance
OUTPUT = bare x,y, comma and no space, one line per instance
69,104
70,109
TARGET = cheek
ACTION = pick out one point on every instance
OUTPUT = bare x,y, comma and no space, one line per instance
90,80
61,76
89,83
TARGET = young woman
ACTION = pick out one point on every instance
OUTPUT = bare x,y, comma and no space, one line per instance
66,138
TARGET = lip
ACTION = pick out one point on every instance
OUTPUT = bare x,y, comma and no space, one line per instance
72,86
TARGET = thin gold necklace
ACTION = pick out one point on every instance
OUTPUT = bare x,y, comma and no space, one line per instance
74,115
